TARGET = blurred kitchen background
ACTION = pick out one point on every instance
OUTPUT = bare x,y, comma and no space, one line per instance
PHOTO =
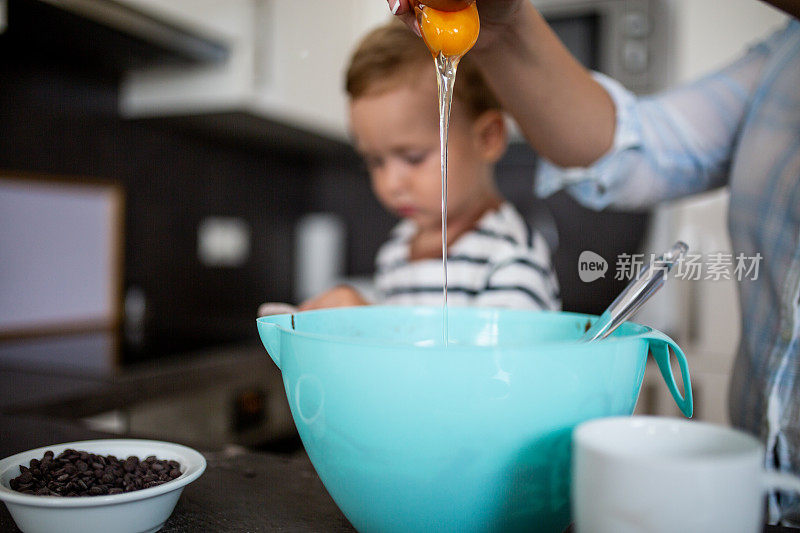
168,165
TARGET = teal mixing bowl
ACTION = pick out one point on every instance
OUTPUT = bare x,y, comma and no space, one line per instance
410,435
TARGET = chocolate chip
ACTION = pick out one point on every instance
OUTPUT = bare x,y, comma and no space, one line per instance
78,473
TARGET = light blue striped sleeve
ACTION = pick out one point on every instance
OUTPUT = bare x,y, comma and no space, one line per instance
665,146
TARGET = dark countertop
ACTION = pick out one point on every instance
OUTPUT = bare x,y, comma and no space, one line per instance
191,398
62,392
239,492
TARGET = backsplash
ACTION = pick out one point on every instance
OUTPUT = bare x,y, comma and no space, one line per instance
60,119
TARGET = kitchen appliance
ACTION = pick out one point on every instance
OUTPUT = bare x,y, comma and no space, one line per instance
625,39
410,435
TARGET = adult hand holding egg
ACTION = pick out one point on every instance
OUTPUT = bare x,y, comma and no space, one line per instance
495,15
451,33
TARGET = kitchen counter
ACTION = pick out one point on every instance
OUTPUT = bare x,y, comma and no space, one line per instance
240,491
195,399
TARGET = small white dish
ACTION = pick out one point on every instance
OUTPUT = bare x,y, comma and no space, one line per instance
140,511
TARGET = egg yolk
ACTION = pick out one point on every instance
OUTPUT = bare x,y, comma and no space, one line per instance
452,33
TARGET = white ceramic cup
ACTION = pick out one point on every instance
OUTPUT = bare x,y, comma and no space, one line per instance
654,474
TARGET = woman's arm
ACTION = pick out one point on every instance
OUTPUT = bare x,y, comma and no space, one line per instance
564,113
608,146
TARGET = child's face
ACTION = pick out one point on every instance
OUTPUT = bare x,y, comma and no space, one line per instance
397,133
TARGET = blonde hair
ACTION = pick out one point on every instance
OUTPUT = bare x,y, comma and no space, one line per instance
391,56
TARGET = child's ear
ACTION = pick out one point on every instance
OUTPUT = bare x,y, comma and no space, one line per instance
490,134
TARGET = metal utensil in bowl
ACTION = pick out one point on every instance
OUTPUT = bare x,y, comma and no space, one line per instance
637,292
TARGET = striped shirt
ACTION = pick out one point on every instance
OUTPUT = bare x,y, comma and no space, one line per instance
499,263
738,127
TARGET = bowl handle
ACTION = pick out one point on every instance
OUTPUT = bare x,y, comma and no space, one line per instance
660,345
269,329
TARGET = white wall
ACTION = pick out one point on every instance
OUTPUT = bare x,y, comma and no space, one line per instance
710,33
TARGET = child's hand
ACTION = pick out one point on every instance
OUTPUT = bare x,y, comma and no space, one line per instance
275,308
341,296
